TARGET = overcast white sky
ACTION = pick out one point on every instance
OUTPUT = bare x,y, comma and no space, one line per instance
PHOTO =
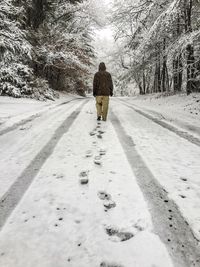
103,39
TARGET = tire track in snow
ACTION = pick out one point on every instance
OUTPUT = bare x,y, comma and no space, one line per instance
192,139
168,221
32,118
12,197
18,147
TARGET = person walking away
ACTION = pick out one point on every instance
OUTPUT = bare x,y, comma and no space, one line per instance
102,89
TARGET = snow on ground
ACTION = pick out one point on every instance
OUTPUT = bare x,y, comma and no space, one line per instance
84,207
14,110
180,110
18,148
173,160
61,222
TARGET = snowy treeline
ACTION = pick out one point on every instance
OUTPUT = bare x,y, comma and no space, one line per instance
15,51
44,44
159,44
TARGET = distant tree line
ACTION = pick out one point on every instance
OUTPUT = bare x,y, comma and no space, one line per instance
160,44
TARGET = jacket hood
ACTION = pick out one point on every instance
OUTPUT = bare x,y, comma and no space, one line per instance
102,66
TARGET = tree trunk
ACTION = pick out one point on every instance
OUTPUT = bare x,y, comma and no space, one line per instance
36,14
157,77
144,82
177,74
164,68
191,85
188,4
141,90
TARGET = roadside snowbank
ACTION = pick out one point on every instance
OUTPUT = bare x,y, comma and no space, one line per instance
180,110
14,110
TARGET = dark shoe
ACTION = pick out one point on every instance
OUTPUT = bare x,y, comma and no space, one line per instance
99,118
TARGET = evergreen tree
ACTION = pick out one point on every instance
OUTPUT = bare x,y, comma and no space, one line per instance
15,51
45,44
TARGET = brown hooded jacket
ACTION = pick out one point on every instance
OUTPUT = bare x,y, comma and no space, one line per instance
102,84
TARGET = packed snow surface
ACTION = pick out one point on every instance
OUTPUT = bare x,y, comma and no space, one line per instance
84,206
180,110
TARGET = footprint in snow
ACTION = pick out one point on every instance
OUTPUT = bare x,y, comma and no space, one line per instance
61,176
97,160
107,264
138,227
83,174
84,177
104,196
183,179
84,181
182,196
89,154
22,128
108,202
102,152
118,235
92,133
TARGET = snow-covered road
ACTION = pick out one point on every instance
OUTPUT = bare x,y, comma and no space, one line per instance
74,192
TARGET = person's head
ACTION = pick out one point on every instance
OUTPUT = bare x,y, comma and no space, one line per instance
102,66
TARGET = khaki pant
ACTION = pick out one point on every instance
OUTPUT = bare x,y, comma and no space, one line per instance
102,103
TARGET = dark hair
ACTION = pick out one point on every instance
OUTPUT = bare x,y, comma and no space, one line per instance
102,66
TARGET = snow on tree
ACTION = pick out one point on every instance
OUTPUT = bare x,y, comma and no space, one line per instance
164,39
15,52
46,43
17,77
63,50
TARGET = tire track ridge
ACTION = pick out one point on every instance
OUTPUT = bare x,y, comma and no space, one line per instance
15,193
32,118
183,134
169,224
